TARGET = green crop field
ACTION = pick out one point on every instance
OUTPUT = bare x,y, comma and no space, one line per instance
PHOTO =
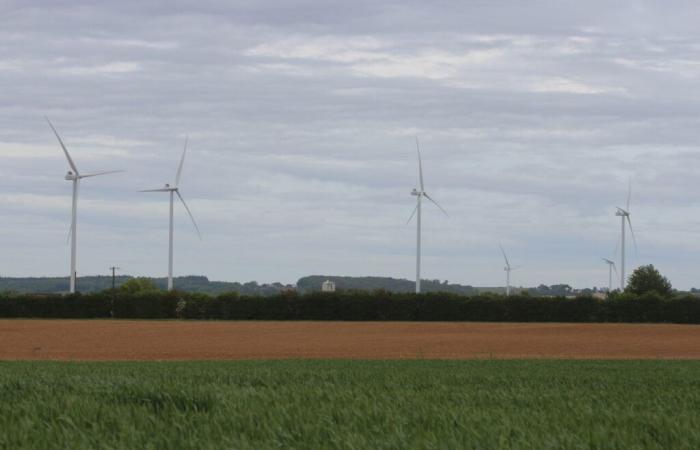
351,405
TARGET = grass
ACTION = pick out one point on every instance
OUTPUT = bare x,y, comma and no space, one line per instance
351,405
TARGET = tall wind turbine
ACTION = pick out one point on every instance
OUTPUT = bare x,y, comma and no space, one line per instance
508,269
420,193
75,176
611,267
624,215
175,190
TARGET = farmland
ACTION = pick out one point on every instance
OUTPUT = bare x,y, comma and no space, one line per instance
351,404
149,340
123,384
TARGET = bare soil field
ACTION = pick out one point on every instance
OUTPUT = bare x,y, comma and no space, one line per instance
174,340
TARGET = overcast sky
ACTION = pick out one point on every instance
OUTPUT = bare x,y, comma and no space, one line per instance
301,116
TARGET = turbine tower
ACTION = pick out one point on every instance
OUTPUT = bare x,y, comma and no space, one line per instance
420,193
508,269
624,215
75,176
611,267
175,190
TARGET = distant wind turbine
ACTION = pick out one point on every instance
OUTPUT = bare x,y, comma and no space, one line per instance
508,269
75,176
611,267
420,193
173,190
624,214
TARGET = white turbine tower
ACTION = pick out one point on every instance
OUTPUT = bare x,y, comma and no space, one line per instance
173,190
420,193
611,267
624,214
75,176
508,269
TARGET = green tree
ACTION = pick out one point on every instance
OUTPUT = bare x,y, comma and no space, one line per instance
647,279
138,285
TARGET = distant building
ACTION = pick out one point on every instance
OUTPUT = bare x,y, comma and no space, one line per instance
328,286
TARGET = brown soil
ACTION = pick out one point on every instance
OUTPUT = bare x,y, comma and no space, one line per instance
171,340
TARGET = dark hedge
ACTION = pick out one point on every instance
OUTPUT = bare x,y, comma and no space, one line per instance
354,305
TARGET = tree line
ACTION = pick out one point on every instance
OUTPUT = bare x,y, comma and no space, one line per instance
648,297
355,306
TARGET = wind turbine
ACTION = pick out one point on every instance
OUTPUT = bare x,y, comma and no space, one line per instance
175,190
508,269
624,214
611,267
420,193
75,176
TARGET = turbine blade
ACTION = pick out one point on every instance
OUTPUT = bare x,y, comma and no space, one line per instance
155,190
436,204
65,150
504,256
614,268
634,239
190,213
97,174
629,193
420,166
412,214
182,162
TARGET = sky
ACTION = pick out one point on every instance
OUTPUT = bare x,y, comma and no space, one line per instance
302,117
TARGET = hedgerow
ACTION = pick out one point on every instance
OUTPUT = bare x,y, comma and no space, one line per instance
353,306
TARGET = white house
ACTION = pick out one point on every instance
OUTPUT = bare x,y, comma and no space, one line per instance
328,286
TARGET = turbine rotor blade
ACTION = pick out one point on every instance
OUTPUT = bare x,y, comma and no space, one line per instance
420,166
634,239
504,256
412,214
156,190
189,212
65,150
97,174
182,162
629,193
436,204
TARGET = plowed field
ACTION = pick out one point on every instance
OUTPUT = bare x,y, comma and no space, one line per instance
174,340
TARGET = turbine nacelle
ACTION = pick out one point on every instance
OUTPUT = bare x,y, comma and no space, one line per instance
70,176
621,212
416,192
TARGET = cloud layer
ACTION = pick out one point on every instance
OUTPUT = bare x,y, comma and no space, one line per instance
532,117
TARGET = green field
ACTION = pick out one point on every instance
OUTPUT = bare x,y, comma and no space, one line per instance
351,405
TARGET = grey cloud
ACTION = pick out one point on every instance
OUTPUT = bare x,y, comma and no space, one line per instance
301,116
